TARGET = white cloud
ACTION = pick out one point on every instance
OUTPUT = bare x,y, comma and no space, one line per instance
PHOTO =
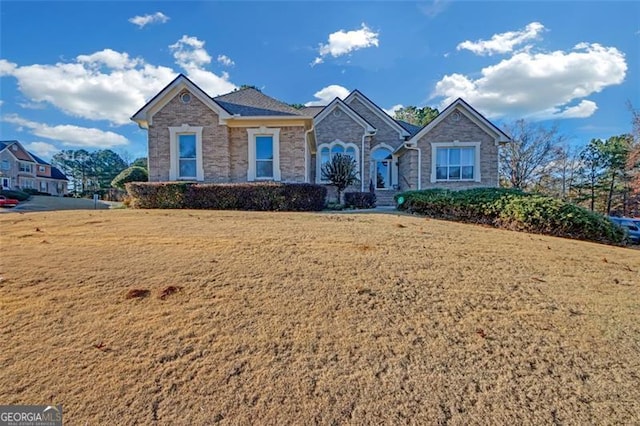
392,111
70,135
111,85
327,94
110,59
42,149
156,18
190,54
504,42
541,84
225,60
344,42
584,109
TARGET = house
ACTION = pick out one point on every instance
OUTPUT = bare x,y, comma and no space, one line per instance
21,169
246,135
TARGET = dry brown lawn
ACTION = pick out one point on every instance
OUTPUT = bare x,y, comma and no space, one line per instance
279,318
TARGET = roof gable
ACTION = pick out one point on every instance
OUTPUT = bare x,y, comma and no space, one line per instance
356,94
144,116
252,102
18,151
337,103
466,109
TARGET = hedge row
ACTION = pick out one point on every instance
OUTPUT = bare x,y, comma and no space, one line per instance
513,209
359,200
15,194
240,196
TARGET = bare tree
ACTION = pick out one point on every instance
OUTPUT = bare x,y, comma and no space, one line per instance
530,154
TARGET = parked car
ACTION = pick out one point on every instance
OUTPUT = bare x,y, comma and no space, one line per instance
8,202
631,226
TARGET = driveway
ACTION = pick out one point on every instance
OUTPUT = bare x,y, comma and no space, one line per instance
38,203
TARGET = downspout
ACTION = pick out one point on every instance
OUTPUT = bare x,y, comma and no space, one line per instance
415,148
307,158
364,135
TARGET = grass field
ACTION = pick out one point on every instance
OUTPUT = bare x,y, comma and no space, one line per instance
279,318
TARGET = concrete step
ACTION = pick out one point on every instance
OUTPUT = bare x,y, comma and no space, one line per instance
385,198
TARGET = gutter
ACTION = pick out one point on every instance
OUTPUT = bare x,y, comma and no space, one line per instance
307,159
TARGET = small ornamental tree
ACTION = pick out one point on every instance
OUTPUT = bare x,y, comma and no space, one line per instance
341,171
132,174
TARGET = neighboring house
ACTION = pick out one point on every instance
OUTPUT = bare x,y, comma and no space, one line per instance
20,169
248,136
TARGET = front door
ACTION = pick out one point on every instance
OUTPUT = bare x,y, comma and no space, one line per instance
381,164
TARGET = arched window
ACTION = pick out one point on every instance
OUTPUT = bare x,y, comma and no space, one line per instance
381,162
327,151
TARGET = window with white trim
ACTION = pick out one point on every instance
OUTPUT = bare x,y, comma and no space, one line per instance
26,167
187,156
186,153
5,165
41,169
457,161
327,151
264,154
43,186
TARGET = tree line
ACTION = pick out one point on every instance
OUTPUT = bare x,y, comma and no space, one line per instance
90,172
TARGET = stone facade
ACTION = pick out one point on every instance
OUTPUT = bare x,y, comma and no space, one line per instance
463,130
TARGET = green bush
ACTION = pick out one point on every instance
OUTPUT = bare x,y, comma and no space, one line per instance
131,174
16,195
33,191
157,195
359,200
241,196
513,209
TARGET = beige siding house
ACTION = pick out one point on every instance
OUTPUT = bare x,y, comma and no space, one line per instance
21,169
246,136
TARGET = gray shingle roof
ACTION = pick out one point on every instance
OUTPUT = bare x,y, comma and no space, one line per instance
251,102
57,174
411,128
312,111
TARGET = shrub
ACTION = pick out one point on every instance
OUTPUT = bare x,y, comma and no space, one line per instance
513,209
15,194
33,191
341,171
157,195
131,174
360,200
242,196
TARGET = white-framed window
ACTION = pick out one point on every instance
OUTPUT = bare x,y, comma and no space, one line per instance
5,165
382,167
27,183
264,154
26,167
327,151
186,153
41,169
43,186
456,161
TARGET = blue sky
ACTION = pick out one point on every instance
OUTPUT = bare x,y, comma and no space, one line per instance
72,73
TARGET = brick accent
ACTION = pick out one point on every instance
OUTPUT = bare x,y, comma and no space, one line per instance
463,130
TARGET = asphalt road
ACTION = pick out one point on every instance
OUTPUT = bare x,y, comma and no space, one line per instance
43,203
